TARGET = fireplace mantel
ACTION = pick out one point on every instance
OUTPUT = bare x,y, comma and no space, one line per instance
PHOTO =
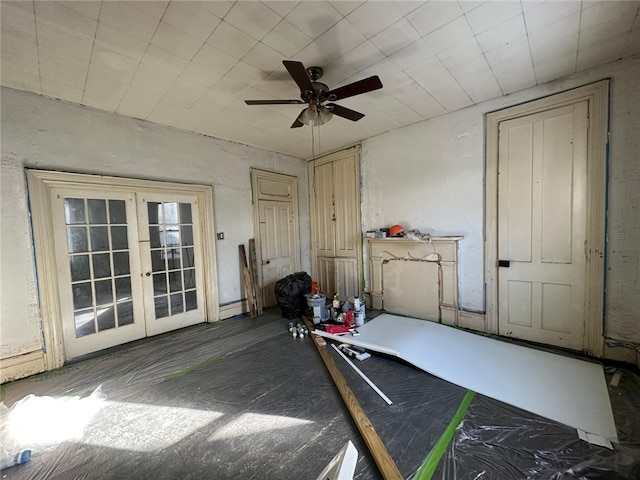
414,278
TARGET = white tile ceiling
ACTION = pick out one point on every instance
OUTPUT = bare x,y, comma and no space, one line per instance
191,64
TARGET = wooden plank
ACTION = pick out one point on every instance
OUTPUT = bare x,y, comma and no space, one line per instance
248,284
385,463
253,265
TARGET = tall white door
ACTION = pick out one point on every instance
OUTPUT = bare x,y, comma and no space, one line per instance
129,265
275,216
334,197
276,245
542,226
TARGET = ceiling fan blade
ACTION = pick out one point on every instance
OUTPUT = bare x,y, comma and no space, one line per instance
299,75
273,102
355,88
298,123
345,112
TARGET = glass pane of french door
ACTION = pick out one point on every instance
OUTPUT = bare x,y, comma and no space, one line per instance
98,268
173,272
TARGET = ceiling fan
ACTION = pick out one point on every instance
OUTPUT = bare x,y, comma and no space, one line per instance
316,93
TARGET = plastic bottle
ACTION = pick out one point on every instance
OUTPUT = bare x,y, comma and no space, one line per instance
9,459
336,301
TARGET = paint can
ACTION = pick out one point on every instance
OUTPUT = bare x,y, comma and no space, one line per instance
317,306
360,316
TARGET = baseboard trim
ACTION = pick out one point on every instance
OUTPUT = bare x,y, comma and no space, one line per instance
472,321
232,309
21,366
621,353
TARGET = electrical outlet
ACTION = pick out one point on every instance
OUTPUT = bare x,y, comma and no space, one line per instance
220,236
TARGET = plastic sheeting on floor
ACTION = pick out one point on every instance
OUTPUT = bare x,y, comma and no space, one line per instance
564,389
496,440
238,399
243,399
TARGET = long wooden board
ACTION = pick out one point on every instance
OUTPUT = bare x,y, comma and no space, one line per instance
385,463
253,266
248,284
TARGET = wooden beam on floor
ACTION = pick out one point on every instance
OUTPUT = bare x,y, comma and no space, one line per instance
385,463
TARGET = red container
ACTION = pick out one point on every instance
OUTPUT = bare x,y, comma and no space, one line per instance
348,318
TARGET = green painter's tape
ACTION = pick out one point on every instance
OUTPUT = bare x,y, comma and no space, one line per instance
428,467
193,368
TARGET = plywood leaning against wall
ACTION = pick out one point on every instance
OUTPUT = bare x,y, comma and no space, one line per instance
415,278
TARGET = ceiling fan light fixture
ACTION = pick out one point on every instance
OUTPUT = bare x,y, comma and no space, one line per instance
315,115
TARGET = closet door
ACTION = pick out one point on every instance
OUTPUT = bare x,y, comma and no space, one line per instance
334,190
347,226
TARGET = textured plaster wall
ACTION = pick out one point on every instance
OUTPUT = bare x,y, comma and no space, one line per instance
430,176
46,134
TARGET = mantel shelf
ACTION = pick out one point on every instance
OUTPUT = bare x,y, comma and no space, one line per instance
434,239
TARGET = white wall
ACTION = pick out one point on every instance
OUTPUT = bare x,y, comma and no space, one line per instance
46,134
430,176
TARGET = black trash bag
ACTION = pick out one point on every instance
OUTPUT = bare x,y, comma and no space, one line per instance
290,292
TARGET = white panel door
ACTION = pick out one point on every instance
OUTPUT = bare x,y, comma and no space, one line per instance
98,269
542,226
277,245
171,253
334,196
323,203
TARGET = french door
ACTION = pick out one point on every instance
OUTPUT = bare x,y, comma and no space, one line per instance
128,265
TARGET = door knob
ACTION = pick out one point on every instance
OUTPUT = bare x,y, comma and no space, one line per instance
148,274
266,262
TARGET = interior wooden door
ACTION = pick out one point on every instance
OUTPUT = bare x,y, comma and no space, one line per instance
276,245
334,195
542,205
276,226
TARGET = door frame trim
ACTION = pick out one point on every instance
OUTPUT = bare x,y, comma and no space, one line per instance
40,182
597,95
256,175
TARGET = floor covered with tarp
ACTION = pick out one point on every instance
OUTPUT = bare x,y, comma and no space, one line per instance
242,398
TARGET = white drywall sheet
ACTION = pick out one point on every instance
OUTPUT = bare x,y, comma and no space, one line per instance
567,390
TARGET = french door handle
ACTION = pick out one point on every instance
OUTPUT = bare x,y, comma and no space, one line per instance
504,263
